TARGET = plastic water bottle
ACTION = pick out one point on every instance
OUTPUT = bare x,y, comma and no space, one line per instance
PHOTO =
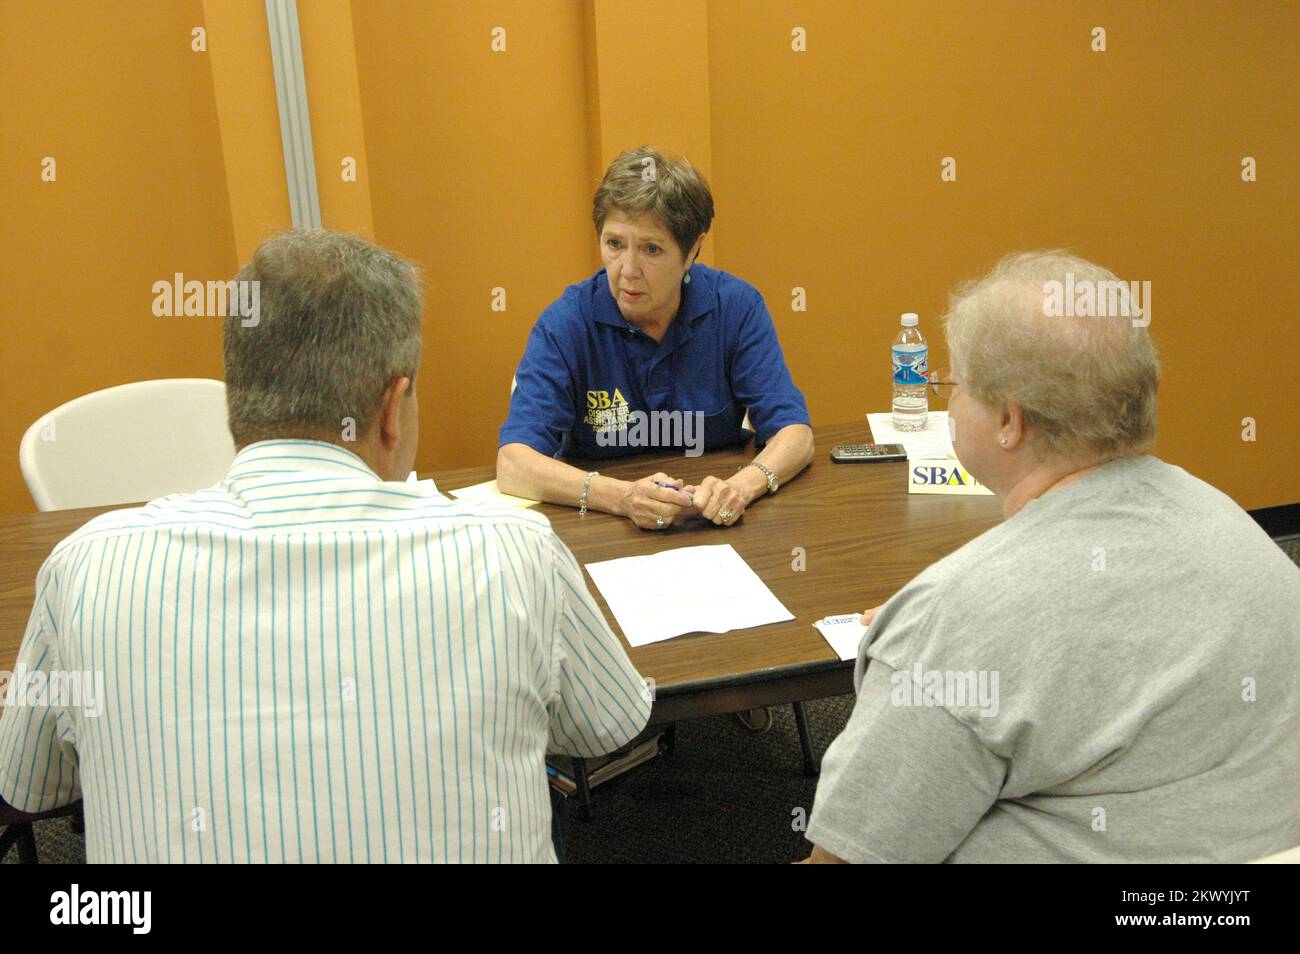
911,360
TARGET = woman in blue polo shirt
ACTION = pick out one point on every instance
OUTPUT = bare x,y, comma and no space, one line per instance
652,351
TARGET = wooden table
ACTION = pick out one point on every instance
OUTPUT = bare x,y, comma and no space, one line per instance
836,539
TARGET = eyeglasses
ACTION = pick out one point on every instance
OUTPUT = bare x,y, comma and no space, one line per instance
943,384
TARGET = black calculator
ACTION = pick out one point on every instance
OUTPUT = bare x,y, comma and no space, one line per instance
867,453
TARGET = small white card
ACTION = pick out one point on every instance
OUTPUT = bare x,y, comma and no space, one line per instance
946,476
844,633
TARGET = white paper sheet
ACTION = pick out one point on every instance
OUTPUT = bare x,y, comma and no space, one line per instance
488,491
708,589
844,633
413,478
933,443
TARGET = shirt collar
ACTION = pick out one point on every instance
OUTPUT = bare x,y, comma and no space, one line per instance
288,455
698,299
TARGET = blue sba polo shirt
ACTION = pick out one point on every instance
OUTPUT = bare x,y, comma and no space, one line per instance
589,379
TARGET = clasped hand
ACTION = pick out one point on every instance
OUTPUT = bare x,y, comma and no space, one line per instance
654,502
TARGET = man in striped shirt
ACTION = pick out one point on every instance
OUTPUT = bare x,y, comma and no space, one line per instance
311,661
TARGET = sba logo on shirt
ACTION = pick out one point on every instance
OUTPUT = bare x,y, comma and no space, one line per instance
606,412
599,400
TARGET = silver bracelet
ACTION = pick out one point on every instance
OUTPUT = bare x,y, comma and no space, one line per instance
586,485
773,485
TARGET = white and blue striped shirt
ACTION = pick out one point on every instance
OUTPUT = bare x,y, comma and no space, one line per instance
304,663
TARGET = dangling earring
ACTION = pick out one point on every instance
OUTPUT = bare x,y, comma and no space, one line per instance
686,279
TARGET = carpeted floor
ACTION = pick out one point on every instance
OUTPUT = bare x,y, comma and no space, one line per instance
723,794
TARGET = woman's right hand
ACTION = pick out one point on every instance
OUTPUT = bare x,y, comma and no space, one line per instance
645,502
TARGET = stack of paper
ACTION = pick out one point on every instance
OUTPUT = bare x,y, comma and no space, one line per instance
933,443
488,492
707,589
844,633
413,478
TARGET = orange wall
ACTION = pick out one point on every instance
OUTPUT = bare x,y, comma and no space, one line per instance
479,172
126,109
825,168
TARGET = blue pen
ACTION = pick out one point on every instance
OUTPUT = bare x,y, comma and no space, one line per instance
660,483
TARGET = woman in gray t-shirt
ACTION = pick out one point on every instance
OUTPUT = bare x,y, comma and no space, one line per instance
1110,674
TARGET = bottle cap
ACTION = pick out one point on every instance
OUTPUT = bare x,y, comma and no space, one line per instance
910,319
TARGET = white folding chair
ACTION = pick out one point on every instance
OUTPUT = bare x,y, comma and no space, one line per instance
128,444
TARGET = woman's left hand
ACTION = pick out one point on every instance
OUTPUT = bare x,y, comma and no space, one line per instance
719,501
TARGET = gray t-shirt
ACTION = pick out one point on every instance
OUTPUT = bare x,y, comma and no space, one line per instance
1113,674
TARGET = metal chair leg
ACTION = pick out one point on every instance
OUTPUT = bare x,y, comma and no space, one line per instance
21,836
584,789
559,831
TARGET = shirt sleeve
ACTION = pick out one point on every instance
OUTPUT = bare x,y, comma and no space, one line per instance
759,376
38,759
542,408
601,701
901,783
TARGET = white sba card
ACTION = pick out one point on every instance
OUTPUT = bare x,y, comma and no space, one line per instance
844,633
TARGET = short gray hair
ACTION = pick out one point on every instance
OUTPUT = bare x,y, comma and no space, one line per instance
646,180
339,319
1087,384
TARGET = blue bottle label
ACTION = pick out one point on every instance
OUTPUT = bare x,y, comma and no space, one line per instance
911,366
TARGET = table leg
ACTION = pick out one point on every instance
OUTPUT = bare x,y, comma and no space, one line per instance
670,738
810,766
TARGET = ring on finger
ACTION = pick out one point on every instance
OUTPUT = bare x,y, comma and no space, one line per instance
725,516
659,523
